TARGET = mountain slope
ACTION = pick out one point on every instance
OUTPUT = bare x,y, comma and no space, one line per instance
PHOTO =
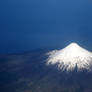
71,56
28,72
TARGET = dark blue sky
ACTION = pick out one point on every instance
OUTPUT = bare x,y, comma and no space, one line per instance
32,24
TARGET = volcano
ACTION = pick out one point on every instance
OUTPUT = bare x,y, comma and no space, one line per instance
42,70
70,57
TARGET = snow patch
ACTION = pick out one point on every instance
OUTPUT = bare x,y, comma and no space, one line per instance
71,56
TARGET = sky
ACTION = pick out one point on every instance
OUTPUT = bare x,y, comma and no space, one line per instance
31,24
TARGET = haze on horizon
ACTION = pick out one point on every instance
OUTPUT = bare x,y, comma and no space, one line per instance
32,24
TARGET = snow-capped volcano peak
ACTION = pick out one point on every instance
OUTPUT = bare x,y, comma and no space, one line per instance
71,56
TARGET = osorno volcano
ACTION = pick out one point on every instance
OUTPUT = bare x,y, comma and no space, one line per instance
42,70
70,57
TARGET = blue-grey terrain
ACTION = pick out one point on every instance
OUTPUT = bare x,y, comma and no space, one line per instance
28,72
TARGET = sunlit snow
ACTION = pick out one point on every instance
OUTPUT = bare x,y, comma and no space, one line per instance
71,56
